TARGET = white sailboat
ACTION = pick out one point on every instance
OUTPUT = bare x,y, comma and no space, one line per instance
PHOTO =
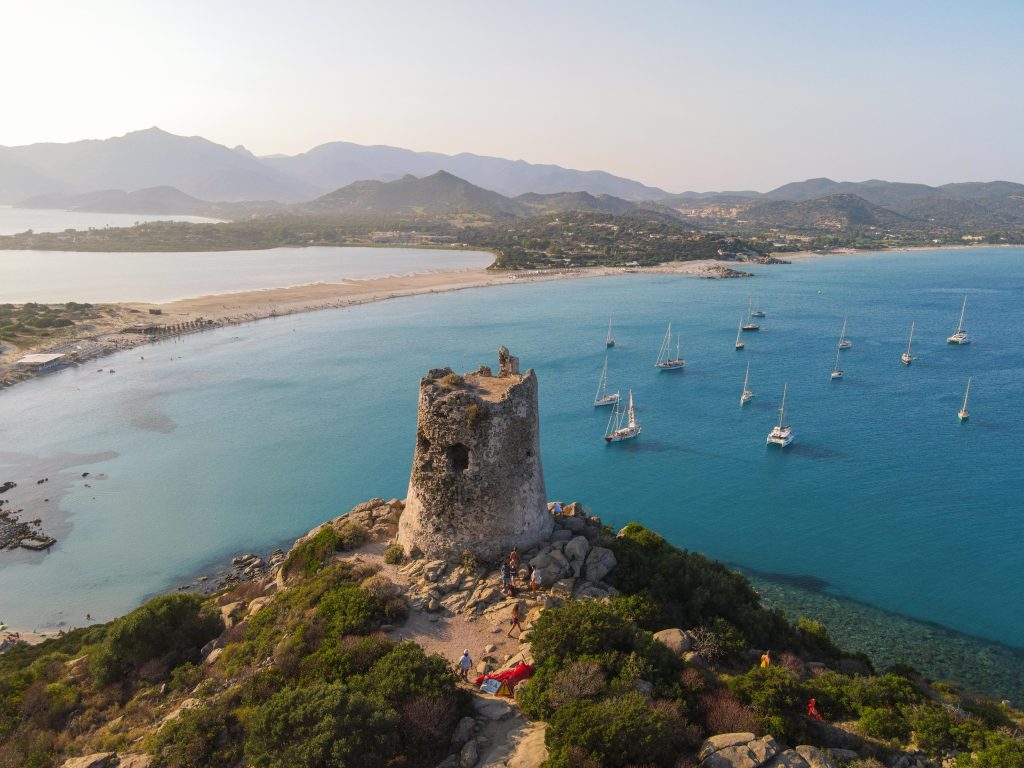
665,360
739,330
609,341
758,312
963,414
960,337
844,343
616,431
746,395
603,396
750,325
837,372
906,358
781,434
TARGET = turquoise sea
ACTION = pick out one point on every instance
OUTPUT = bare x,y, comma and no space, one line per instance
242,438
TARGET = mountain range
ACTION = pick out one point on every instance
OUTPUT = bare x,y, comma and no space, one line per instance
209,171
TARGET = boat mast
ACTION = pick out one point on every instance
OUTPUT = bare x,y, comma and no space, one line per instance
663,352
960,325
739,330
911,339
842,331
632,417
609,337
677,346
782,408
602,385
964,409
746,377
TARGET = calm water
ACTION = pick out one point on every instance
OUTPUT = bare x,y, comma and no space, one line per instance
244,437
15,220
59,276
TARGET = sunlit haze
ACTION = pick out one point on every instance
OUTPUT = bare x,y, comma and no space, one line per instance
682,95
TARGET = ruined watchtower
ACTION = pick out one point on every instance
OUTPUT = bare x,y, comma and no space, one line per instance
476,480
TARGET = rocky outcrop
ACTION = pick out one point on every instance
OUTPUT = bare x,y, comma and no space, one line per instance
744,750
476,484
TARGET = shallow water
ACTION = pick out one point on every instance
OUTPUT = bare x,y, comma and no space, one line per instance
59,276
15,220
242,438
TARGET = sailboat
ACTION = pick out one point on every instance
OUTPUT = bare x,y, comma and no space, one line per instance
609,341
781,434
603,396
844,343
960,337
750,325
758,312
739,330
615,432
665,361
837,372
906,358
963,414
746,394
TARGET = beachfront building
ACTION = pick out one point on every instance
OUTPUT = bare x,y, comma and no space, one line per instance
41,362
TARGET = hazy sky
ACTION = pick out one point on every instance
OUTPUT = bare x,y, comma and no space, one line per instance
693,94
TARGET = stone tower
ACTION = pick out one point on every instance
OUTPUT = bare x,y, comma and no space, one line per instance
476,480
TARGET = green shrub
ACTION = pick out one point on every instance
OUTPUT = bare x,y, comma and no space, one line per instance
776,698
171,628
312,555
814,639
406,671
451,381
186,677
1000,751
323,726
394,554
203,737
619,731
934,728
349,610
885,724
352,535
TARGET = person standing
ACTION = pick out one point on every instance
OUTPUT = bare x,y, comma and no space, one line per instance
465,664
513,563
514,620
766,659
535,580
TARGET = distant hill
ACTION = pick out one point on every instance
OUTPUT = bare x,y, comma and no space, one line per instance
151,200
143,159
576,201
210,171
339,163
833,212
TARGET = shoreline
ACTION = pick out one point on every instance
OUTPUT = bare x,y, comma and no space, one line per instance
159,321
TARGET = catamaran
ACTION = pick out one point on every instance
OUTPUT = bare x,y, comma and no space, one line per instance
750,325
746,394
960,337
615,432
739,330
906,358
665,360
609,341
781,434
963,414
844,343
603,396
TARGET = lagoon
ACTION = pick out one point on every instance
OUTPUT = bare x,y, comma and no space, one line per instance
243,438
14,220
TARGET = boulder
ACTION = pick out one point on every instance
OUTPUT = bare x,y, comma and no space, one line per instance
787,759
590,591
599,564
463,731
433,570
469,755
815,758
577,548
563,588
134,761
844,755
213,655
722,741
96,760
452,761
530,750
677,641
491,709
573,524
231,612
561,534
259,604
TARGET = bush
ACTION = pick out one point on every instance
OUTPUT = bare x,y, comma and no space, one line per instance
619,731
172,628
394,554
203,737
186,677
451,381
323,726
724,713
352,535
933,729
884,724
775,697
578,681
312,555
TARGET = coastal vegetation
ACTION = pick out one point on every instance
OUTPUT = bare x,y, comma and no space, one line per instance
304,677
24,323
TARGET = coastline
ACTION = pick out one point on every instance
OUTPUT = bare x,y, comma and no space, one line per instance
184,316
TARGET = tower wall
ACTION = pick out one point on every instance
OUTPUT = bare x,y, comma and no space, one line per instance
476,481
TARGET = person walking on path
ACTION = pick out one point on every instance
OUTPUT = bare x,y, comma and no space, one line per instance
513,563
506,580
465,664
535,580
514,621
766,659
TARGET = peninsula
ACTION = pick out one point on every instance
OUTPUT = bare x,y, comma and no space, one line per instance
583,646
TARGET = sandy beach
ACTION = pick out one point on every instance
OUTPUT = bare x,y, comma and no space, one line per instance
160,321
